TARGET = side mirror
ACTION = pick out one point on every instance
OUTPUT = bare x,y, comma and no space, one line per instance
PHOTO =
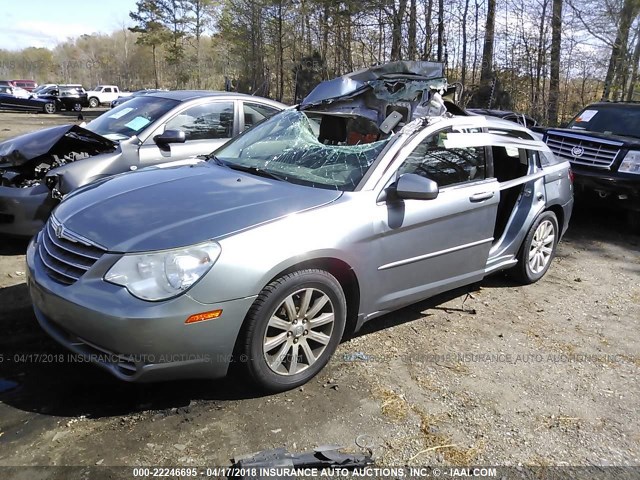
416,187
169,136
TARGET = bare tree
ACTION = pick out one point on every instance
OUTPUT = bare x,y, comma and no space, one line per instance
486,69
613,79
556,44
412,47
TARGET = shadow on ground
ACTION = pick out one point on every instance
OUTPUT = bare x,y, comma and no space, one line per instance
13,246
38,375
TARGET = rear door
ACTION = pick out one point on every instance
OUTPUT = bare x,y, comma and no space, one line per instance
429,246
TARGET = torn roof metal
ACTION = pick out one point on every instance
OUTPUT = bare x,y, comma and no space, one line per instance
421,74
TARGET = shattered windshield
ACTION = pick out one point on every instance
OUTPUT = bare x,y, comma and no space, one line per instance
322,151
606,120
129,119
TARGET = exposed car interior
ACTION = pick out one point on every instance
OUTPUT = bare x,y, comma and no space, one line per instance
509,163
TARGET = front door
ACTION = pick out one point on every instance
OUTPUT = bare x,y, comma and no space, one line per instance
430,246
206,127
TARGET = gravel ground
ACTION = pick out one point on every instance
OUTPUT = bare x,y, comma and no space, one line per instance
496,374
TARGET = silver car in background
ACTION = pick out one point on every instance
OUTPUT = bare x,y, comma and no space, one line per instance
307,225
39,168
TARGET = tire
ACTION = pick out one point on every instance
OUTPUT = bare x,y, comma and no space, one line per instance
94,102
277,331
538,249
50,107
77,107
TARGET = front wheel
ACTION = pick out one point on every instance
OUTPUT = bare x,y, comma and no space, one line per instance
77,107
293,328
50,107
94,102
538,249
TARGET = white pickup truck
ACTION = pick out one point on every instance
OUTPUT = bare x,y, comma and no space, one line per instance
104,94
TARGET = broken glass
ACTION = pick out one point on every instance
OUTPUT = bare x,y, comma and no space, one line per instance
324,151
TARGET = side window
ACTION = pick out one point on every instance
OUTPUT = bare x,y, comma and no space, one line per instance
205,122
446,166
255,113
107,90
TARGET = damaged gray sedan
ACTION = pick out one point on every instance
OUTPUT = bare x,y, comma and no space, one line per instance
39,168
309,225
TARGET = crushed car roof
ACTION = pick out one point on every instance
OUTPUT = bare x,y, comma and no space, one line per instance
354,83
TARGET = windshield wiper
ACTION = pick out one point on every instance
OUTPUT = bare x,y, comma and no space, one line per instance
243,168
255,171
213,158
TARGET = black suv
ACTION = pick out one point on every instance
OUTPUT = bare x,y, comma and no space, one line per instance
66,97
603,145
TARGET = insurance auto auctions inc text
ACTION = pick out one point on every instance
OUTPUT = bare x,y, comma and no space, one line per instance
368,472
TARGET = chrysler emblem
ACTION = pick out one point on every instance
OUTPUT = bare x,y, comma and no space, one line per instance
59,231
577,151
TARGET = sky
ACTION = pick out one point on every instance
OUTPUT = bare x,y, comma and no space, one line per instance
45,23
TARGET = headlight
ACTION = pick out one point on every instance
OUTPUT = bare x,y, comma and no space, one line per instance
630,163
165,274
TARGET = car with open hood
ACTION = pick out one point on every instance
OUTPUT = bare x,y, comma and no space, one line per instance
361,200
39,168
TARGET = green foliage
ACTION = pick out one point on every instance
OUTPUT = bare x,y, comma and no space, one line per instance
149,18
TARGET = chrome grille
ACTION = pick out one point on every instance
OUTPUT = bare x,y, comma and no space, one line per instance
66,256
595,153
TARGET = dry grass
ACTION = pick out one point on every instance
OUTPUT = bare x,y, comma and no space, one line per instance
394,405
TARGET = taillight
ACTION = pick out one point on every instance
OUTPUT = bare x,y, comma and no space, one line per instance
571,175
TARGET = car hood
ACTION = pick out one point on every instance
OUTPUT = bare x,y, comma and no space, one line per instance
155,209
59,140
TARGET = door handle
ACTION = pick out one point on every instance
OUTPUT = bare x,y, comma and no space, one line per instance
479,197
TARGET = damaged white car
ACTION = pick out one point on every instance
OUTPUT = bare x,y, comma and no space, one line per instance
39,168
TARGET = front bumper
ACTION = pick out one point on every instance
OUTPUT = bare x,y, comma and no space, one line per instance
608,184
23,211
134,340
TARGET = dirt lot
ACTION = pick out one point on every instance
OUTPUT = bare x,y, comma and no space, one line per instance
540,375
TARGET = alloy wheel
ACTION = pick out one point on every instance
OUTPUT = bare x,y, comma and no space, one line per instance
298,331
541,246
